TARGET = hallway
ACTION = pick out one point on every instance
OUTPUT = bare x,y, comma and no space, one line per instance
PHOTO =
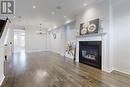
46,69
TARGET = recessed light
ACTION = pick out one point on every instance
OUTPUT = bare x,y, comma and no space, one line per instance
65,16
55,27
34,6
53,13
84,4
58,7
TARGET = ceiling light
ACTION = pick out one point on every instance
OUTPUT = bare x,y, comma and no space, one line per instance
53,13
34,6
68,21
55,27
84,4
65,16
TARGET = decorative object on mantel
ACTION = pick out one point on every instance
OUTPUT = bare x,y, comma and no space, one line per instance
90,27
70,50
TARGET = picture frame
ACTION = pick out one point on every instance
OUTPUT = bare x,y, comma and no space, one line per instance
54,35
90,27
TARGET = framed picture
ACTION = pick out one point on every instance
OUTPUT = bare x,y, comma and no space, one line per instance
90,27
54,35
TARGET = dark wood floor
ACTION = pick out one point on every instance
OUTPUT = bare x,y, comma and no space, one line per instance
46,69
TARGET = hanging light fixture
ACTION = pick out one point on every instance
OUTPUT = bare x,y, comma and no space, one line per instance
40,32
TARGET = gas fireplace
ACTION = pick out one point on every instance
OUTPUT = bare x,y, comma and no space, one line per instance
90,53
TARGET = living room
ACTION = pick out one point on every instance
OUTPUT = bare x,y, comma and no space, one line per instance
76,43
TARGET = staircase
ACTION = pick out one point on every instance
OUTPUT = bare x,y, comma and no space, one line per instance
3,34
2,26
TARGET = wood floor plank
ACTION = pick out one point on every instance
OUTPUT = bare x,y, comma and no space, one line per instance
47,69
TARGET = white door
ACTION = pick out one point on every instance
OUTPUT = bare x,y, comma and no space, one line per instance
19,40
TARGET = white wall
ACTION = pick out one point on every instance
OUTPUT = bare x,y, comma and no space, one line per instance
64,34
121,15
34,41
70,32
98,10
56,45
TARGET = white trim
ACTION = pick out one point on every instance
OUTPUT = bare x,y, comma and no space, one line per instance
105,52
122,71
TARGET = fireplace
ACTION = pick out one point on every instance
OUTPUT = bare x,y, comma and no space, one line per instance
90,53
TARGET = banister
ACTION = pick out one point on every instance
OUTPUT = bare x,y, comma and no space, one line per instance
3,27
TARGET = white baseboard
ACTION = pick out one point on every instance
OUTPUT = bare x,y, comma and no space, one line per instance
118,70
122,71
2,79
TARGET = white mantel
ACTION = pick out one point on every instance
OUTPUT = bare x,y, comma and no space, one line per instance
105,48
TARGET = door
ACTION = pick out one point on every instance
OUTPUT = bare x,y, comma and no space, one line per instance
19,40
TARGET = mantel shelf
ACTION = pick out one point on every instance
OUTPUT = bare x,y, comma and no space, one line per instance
91,35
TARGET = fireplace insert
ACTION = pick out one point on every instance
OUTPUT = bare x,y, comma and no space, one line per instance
90,53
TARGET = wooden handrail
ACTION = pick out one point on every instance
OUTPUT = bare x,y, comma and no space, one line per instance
2,29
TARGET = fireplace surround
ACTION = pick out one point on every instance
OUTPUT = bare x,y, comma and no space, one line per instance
90,53
106,60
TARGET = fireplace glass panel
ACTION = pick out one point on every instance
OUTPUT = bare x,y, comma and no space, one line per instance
90,53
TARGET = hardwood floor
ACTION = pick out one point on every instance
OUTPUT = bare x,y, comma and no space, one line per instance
46,69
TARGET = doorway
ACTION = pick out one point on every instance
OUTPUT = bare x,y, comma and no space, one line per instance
19,40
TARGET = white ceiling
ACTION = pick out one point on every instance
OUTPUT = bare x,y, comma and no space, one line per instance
26,14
